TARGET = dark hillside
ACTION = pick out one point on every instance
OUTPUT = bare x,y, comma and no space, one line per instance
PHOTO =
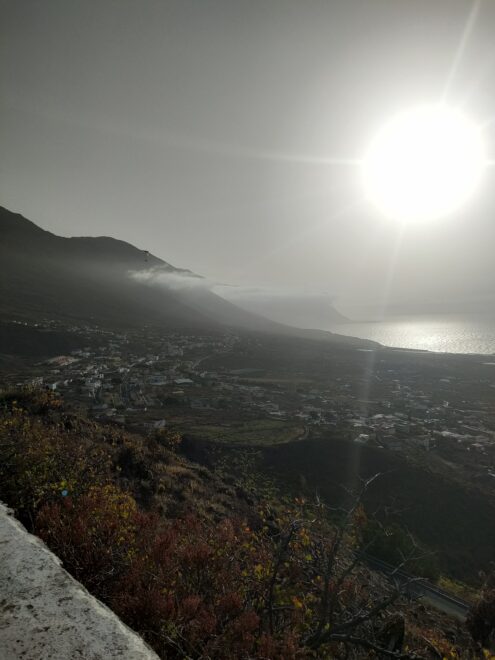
21,340
183,558
93,279
455,522
44,275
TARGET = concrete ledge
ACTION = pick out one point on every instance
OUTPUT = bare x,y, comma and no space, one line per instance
47,615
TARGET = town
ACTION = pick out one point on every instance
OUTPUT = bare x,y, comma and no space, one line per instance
240,389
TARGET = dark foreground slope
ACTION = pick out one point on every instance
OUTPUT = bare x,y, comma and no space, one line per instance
452,520
185,560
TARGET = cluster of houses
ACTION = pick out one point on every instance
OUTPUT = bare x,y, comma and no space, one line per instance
141,381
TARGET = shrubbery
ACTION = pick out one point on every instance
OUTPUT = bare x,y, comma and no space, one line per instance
392,543
481,620
279,589
40,459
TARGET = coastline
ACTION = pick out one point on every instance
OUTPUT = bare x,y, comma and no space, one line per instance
473,336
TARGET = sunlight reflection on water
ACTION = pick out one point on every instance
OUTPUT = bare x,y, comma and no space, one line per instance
443,334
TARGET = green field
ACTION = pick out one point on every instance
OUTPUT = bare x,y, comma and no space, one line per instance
255,433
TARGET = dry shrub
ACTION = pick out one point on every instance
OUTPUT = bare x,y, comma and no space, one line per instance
94,535
191,588
40,459
481,620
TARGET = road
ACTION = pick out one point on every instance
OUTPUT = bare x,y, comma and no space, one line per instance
428,592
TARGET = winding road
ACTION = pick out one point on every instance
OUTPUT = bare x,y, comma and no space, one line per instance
423,589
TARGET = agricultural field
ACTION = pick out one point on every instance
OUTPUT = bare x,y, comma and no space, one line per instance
261,432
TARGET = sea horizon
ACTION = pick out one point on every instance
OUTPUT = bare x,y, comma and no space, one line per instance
471,334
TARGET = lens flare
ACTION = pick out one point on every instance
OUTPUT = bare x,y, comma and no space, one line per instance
423,164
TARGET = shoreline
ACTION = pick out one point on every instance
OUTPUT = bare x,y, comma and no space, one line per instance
415,349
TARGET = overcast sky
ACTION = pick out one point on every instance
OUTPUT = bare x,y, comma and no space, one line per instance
195,129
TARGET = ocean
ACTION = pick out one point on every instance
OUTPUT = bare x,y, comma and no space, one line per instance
446,334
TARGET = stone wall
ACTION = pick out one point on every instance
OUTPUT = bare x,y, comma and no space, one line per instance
46,615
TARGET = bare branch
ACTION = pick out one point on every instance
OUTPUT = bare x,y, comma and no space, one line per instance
376,609
367,644
282,549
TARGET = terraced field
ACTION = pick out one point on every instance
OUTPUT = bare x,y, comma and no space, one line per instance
261,432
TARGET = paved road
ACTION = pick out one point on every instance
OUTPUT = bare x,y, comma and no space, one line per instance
428,592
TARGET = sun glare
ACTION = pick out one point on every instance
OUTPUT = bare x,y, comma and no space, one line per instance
423,164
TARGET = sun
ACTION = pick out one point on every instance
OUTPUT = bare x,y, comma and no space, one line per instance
423,164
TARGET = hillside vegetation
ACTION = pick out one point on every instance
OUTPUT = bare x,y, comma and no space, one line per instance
185,560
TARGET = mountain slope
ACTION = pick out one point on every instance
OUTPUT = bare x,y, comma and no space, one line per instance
84,278
108,281
91,279
299,310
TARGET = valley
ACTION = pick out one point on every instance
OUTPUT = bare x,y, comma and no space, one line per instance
305,416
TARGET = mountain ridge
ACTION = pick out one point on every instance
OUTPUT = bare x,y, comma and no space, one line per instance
90,278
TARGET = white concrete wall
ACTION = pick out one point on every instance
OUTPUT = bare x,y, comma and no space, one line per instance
46,615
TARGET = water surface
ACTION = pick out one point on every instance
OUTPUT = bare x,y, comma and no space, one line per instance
470,334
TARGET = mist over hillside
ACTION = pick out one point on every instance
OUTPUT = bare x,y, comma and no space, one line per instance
297,308
105,280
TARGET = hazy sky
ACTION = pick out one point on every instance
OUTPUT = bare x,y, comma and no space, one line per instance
194,129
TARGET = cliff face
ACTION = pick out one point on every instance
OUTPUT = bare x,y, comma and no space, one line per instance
46,615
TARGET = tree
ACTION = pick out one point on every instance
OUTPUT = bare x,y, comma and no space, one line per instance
336,613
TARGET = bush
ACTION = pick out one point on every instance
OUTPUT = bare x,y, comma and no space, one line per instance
191,587
171,440
94,535
40,460
481,620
